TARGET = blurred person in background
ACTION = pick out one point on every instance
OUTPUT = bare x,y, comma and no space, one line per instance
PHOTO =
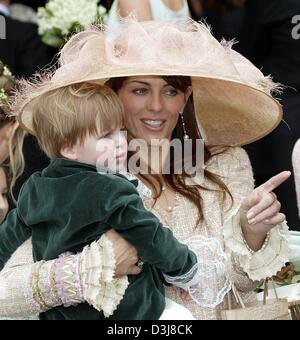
22,50
196,9
263,30
11,135
23,13
145,10
224,16
266,38
19,11
24,53
296,167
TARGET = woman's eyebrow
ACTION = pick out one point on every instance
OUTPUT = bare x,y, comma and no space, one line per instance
144,83
138,82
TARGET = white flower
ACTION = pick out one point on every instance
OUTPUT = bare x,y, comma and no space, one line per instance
60,18
102,10
7,72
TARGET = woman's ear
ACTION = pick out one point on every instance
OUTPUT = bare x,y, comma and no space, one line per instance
69,152
188,93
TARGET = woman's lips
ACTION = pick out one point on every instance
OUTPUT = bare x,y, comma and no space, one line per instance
153,124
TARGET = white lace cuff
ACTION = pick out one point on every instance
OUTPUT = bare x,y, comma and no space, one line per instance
97,270
185,281
29,289
261,264
208,281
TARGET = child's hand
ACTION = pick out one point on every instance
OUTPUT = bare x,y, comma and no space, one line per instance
185,295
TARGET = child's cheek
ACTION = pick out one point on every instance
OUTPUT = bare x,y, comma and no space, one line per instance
105,152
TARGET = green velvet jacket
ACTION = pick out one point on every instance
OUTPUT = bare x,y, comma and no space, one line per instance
69,205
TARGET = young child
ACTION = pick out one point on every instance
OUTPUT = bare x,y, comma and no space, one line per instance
77,198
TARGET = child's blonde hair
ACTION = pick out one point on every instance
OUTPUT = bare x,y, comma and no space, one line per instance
15,160
67,115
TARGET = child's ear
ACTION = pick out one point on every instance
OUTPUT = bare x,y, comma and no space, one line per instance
69,153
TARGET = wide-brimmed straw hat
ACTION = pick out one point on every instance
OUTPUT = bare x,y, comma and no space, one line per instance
232,98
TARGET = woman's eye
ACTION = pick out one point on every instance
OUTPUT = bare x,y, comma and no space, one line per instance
171,92
140,91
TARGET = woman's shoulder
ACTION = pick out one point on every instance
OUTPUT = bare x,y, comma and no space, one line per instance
231,157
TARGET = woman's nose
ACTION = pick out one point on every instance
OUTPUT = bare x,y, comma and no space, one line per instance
155,103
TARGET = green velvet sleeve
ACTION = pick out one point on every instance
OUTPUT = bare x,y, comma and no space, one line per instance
13,233
155,243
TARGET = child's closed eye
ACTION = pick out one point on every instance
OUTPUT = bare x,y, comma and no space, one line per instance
107,135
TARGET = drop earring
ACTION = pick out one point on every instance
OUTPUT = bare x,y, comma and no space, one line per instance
185,135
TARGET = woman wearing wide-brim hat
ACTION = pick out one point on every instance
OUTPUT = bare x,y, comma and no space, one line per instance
178,82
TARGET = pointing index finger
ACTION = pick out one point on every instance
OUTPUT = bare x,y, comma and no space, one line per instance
274,182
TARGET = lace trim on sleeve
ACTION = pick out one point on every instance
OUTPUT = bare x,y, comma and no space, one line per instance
28,288
208,281
101,289
267,261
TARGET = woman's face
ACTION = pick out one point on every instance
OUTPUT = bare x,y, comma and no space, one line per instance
3,195
152,107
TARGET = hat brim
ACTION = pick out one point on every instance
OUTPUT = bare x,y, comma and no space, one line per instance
229,113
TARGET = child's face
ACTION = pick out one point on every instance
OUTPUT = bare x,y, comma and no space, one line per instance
109,151
3,195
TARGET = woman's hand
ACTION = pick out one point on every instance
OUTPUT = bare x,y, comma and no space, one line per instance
126,255
260,212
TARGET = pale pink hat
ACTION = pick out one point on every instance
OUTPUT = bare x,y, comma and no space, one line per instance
232,97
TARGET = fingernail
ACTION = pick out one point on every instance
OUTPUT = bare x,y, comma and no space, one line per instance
267,221
250,215
252,221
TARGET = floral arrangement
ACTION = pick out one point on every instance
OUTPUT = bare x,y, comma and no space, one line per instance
6,72
61,18
287,281
288,275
